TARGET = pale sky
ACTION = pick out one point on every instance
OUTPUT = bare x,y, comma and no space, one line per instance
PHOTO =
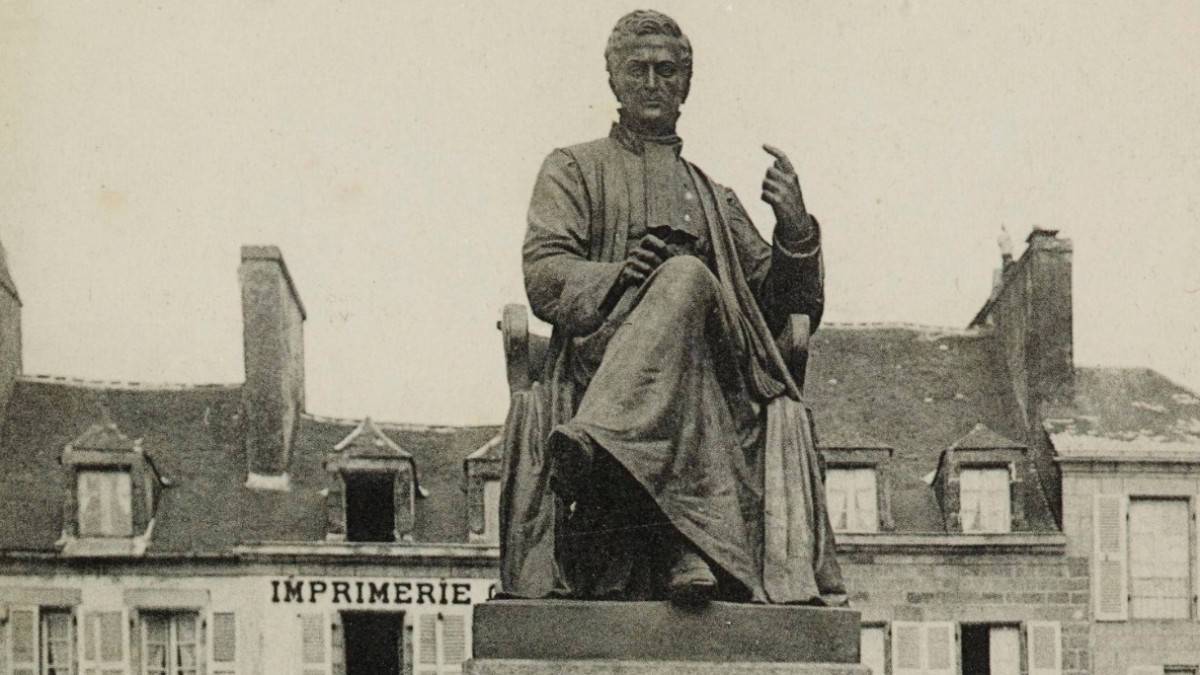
389,150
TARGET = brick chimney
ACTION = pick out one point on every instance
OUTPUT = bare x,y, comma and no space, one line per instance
10,335
273,336
1032,315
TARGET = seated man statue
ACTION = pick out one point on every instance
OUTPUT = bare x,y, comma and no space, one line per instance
666,451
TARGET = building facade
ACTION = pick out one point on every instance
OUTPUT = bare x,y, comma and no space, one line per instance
998,509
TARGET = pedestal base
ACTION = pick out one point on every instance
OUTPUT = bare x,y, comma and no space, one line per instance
606,667
543,636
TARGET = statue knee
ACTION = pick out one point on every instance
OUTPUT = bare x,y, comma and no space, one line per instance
687,277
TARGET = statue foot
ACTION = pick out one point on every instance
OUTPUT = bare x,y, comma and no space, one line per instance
692,580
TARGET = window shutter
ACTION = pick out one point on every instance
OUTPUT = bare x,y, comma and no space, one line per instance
337,645
940,648
223,643
1145,670
104,639
908,649
314,652
1004,650
873,649
454,642
1110,595
426,655
23,640
1045,647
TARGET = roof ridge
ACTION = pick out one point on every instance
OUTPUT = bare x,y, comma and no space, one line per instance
970,331
124,385
395,426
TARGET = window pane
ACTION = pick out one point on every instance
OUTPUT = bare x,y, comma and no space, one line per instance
984,501
105,507
1159,558
491,510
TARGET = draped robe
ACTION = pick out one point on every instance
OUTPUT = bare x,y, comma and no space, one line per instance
674,391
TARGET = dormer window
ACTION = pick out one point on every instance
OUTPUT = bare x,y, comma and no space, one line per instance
112,494
372,490
852,496
856,493
980,484
985,504
105,500
370,506
482,469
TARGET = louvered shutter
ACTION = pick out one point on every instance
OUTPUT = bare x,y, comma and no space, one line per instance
337,645
426,648
1004,650
104,638
1044,639
453,642
23,640
314,647
1110,595
872,649
940,657
222,643
908,648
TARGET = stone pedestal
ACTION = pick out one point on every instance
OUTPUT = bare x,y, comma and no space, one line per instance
531,637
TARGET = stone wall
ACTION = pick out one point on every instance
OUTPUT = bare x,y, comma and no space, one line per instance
974,587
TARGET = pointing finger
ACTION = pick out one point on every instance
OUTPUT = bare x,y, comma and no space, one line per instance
781,158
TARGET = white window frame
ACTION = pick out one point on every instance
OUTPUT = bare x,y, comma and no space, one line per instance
173,619
114,524
1001,520
862,516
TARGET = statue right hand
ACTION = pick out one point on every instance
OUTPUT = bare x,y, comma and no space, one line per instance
643,260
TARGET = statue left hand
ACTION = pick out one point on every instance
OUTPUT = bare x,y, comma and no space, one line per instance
781,189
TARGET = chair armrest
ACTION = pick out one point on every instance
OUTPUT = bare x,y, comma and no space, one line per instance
793,345
514,328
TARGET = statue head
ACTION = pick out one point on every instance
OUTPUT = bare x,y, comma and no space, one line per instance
649,69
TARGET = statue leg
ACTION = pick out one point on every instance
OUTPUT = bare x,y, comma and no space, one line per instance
657,406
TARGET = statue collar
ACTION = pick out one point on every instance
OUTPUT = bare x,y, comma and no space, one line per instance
635,142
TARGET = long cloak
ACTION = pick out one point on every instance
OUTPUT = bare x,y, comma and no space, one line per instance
587,210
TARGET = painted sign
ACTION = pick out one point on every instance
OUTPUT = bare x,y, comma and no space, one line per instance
322,590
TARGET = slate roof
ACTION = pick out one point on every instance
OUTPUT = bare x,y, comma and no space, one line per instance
918,390
193,436
1125,406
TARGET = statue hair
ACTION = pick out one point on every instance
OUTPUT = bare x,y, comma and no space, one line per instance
647,22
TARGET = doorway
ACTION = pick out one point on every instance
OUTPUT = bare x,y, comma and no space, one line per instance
374,642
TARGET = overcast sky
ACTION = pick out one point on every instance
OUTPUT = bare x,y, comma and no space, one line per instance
389,150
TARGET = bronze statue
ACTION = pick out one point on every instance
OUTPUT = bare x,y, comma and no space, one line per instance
666,450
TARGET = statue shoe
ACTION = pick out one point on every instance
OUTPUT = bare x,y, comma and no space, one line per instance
692,580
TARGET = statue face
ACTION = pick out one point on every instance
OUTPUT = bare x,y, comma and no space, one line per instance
649,80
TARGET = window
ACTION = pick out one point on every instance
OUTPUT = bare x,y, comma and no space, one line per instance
852,498
373,643
105,503
491,511
1159,559
171,643
38,641
984,500
991,650
370,506
58,642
